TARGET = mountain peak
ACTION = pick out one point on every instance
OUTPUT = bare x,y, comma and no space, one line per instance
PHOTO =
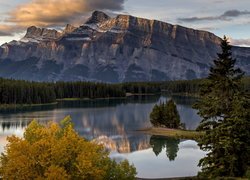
38,34
69,28
119,49
97,17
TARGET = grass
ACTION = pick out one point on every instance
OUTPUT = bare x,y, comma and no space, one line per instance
176,133
72,99
86,99
9,106
140,94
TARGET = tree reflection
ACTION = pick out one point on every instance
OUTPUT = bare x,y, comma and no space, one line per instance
158,143
13,125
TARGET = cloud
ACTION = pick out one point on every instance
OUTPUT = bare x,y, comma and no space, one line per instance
57,13
240,42
9,30
2,33
226,16
234,13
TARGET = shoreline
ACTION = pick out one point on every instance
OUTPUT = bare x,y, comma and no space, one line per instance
176,133
140,94
173,178
89,99
11,106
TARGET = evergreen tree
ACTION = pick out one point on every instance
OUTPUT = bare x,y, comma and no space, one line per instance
172,117
225,119
165,115
157,115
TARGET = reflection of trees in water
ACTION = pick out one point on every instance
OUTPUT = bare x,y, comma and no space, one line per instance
20,109
182,100
171,144
13,125
7,125
94,103
98,103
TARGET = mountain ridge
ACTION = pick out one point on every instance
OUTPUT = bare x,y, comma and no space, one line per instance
114,49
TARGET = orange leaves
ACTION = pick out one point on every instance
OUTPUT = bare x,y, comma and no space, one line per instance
56,152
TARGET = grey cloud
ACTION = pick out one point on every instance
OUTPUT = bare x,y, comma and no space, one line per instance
9,30
240,42
226,16
2,33
59,12
234,13
115,5
194,19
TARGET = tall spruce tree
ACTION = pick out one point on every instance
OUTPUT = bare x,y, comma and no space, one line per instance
224,109
172,117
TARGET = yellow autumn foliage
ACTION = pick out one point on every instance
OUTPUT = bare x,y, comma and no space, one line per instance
54,152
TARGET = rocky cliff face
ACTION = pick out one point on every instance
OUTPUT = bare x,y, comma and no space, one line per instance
124,48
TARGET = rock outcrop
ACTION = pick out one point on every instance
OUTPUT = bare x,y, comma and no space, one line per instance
123,48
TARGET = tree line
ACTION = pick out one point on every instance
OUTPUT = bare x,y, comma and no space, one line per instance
25,92
192,87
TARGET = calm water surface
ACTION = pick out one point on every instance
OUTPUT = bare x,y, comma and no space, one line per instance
112,123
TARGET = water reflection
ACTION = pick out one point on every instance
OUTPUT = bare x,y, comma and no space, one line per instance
5,126
112,123
114,119
124,144
170,144
153,167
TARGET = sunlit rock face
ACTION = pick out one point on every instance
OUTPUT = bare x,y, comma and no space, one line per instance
114,49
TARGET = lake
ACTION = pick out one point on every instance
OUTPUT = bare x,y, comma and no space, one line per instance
113,123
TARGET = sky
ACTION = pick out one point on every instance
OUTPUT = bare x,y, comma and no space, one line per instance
221,17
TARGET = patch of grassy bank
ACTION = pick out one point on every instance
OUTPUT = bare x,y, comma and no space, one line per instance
10,106
177,133
87,99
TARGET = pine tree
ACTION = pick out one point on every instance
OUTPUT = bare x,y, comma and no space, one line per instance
157,115
172,117
165,115
225,119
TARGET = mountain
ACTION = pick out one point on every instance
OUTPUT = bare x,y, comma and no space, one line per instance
119,49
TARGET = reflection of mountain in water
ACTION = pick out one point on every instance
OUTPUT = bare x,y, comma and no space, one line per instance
111,121
159,143
124,144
